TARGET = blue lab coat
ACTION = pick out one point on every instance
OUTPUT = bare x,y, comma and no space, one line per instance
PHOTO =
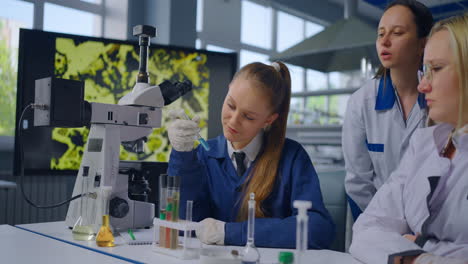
376,136
210,180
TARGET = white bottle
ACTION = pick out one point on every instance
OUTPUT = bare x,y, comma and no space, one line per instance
301,228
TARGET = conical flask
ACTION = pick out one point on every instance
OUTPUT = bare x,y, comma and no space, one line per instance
105,237
250,254
83,230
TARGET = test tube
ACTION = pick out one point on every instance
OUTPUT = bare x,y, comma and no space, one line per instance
162,207
175,210
251,220
301,228
169,210
199,137
188,211
176,198
188,216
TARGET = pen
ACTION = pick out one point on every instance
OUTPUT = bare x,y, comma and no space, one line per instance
131,234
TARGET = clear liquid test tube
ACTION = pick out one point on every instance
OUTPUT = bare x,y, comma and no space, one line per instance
188,216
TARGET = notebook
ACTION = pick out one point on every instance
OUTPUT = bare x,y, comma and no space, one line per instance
142,237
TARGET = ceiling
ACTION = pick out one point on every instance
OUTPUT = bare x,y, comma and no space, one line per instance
330,11
349,35
440,8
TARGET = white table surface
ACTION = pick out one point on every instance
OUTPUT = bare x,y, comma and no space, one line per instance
144,253
20,246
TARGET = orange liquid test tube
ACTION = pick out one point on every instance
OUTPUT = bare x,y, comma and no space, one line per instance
162,207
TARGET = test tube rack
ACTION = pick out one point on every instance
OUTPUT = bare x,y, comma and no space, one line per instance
188,248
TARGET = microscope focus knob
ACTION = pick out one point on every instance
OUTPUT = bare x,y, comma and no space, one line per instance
118,207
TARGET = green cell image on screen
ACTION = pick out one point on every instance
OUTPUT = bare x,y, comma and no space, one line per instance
109,71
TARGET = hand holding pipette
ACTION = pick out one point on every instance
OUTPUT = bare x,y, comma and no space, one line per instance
182,131
200,138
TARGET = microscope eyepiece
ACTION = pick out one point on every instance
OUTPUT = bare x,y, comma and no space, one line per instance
172,91
144,33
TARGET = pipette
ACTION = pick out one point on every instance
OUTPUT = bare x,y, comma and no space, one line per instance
199,138
251,254
301,228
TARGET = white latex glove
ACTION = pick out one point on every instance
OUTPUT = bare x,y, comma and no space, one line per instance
211,231
182,133
427,258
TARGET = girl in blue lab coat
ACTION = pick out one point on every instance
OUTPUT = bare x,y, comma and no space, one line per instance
252,155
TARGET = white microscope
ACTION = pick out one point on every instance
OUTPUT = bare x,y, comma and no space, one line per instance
131,120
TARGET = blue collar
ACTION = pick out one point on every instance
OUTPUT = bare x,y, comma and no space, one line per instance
386,96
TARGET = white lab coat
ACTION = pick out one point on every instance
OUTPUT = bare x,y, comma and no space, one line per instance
375,140
408,203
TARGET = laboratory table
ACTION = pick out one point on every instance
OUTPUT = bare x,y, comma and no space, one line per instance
21,246
52,242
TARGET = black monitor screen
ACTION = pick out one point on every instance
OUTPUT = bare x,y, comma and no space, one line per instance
109,69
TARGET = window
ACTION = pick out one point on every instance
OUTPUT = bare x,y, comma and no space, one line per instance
290,30
218,48
247,57
68,20
327,95
312,29
337,108
316,80
93,1
296,112
315,112
199,15
256,24
83,17
297,78
342,80
267,29
13,16
18,12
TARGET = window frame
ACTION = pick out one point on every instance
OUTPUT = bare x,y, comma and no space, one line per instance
304,93
38,13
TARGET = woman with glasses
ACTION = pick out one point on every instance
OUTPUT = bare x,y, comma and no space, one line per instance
383,114
420,215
